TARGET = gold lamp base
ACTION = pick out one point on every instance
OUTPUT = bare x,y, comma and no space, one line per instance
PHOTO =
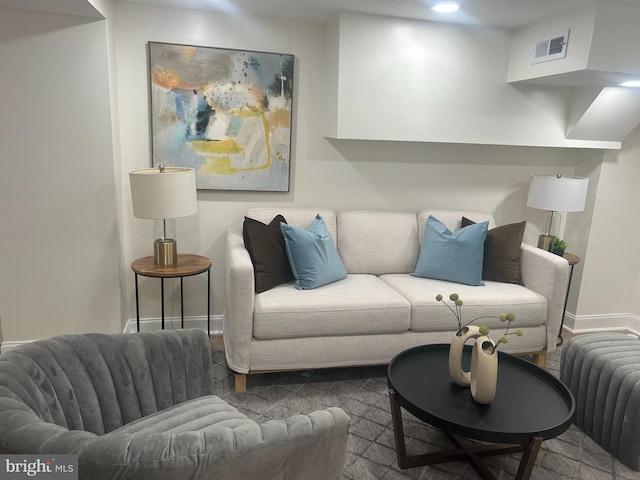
544,241
165,251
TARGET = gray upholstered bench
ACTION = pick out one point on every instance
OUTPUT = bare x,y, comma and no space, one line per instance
603,373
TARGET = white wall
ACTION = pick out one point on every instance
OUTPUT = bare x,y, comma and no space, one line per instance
615,39
339,174
601,49
412,80
610,284
59,251
579,21
107,9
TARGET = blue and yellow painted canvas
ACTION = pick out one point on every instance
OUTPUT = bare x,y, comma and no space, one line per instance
225,113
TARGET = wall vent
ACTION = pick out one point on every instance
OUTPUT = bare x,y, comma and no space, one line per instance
551,48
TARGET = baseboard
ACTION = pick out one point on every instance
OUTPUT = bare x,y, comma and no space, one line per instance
6,346
149,325
154,324
622,322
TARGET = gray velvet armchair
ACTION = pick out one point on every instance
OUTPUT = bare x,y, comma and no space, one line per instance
141,406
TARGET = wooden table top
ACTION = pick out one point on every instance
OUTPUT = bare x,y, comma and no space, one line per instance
571,258
188,264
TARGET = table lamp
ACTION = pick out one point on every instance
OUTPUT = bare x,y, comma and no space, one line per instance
556,193
163,194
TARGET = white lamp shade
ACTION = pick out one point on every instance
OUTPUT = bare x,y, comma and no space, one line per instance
558,193
167,194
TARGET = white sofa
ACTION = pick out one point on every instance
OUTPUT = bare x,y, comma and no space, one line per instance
379,309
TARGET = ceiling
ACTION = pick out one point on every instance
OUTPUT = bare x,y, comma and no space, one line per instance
81,8
496,13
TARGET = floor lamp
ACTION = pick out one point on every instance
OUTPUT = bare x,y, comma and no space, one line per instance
556,193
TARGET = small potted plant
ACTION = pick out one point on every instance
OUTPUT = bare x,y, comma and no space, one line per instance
558,246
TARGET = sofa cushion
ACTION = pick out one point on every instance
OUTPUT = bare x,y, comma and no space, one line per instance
363,234
502,252
265,244
299,217
451,218
456,257
312,255
191,416
427,314
359,304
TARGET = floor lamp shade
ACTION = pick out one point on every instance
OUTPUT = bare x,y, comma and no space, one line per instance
556,193
162,195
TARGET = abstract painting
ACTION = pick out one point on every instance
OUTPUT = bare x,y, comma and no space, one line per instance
225,113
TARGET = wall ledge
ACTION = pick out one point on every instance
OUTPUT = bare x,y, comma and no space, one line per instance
568,143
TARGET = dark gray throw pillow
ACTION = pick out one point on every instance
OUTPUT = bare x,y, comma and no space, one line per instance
265,244
502,252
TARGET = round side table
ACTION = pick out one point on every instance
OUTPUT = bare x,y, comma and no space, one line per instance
573,260
187,265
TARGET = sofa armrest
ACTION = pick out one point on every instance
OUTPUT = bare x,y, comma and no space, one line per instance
547,274
239,302
24,432
312,447
309,446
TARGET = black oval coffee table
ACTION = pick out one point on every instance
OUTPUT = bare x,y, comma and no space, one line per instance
530,406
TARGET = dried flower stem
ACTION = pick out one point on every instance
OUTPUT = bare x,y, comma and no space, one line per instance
456,310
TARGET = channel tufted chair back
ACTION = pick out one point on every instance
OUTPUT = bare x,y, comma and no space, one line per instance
98,382
141,407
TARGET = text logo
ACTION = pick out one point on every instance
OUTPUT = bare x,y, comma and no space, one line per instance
51,467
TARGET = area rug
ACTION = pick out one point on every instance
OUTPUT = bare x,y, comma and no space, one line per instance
362,393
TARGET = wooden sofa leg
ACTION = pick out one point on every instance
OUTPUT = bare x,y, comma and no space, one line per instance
241,382
540,359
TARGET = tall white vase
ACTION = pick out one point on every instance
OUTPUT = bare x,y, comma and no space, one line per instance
458,375
484,370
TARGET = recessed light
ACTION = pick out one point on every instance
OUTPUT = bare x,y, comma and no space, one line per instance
445,7
632,83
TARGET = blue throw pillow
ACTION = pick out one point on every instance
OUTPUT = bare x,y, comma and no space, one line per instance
312,254
454,257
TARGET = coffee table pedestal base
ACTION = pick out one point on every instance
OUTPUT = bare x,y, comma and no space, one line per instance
471,453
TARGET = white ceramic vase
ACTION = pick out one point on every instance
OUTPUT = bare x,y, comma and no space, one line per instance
458,375
484,370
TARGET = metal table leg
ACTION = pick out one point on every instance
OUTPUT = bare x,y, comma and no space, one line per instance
209,302
137,307
181,305
162,300
560,340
